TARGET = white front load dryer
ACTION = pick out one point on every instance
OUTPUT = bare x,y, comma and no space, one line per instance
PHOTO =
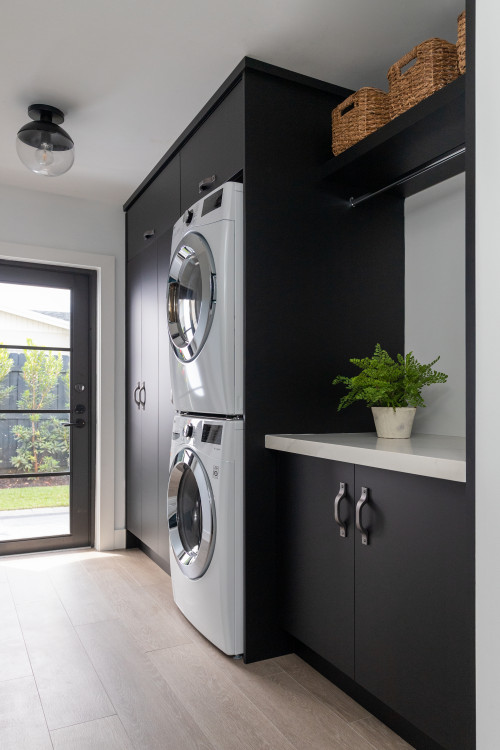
205,517
205,305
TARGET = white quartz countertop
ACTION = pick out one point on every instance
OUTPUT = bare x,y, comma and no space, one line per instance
439,456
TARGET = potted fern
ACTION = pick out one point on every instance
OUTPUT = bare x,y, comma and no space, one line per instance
392,388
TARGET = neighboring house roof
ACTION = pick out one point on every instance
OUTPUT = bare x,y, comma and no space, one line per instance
55,314
51,319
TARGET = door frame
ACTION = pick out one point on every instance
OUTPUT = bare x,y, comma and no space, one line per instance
109,421
49,543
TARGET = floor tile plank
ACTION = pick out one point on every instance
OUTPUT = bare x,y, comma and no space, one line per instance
70,690
321,688
153,717
14,662
102,734
222,711
152,626
380,735
22,723
81,597
304,721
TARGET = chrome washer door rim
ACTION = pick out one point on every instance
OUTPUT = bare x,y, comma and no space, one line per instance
193,564
192,248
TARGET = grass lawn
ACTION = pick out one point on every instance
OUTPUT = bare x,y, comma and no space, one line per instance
34,497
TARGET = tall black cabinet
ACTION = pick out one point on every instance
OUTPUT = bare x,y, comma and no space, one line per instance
304,257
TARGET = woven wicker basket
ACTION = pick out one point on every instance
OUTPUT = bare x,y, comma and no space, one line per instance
461,42
435,66
359,115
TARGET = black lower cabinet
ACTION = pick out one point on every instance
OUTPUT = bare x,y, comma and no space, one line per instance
318,564
395,614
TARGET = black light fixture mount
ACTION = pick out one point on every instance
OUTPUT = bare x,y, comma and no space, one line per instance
42,145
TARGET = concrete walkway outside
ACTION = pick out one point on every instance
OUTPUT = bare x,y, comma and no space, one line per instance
39,522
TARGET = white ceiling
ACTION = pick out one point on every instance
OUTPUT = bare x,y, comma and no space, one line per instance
131,74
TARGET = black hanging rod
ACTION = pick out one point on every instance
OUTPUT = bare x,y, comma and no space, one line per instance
353,202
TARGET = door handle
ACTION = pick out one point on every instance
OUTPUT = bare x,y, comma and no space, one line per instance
142,390
205,183
77,423
340,496
149,233
359,507
136,389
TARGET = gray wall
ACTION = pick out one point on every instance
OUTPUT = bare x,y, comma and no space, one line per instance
435,300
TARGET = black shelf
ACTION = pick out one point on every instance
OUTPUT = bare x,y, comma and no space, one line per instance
420,135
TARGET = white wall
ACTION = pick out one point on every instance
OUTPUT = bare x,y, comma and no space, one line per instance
487,377
59,229
435,300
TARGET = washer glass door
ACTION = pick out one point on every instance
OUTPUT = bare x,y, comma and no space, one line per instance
191,514
190,296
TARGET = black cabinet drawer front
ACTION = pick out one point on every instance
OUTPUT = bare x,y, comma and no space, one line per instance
157,209
215,150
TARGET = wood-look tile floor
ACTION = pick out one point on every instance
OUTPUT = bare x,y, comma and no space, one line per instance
94,655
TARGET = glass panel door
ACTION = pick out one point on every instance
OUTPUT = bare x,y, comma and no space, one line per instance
42,328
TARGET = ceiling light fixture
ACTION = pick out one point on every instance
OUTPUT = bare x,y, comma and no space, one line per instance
42,145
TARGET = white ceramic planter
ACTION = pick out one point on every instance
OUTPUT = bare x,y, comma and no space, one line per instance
393,423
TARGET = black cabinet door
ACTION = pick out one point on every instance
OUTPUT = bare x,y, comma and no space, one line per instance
149,407
155,210
414,603
215,149
317,563
165,407
134,375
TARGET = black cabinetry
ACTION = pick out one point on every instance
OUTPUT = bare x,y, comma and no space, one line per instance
396,614
155,210
142,391
215,151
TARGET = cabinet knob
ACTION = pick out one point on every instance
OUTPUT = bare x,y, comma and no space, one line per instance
149,233
341,494
205,183
359,507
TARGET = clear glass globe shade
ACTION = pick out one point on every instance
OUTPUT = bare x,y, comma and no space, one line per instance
47,161
44,155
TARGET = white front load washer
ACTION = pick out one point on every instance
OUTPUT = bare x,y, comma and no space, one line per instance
205,305
205,518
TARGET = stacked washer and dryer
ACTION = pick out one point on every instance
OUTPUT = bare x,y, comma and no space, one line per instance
205,492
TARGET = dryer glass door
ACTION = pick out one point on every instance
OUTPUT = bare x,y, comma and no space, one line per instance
191,514
190,296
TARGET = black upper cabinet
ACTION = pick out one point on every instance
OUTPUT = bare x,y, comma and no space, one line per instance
216,149
155,210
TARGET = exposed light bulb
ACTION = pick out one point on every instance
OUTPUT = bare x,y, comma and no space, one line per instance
44,156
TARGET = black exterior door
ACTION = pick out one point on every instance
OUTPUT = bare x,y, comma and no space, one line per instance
46,408
317,578
414,604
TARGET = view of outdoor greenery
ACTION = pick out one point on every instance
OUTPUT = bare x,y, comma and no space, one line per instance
34,443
